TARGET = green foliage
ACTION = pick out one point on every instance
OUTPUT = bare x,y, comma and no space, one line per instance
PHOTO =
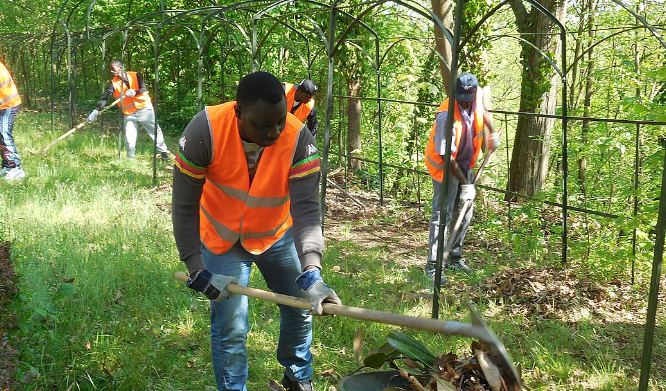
99,308
411,348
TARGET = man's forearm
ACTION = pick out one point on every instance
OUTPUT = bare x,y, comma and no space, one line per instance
456,171
186,195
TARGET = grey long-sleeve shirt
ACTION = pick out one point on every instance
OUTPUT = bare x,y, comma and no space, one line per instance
196,147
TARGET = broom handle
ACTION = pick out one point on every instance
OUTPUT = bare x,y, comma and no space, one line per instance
77,127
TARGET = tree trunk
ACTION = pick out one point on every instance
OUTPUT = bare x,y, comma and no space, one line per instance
444,11
353,122
531,149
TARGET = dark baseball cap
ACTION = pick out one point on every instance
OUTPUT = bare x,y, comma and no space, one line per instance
466,88
307,86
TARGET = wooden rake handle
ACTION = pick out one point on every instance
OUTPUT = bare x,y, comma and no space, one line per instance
77,127
477,329
412,322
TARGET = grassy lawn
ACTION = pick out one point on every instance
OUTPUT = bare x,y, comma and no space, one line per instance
99,308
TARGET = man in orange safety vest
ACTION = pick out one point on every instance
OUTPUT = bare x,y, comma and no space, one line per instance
246,194
135,105
469,118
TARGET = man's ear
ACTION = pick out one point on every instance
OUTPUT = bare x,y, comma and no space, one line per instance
237,110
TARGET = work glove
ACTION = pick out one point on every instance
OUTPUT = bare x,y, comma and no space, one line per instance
313,285
467,192
130,93
93,115
494,140
214,286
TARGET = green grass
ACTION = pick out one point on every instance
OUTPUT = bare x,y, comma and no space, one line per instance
100,309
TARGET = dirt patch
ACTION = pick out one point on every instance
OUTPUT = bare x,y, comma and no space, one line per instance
402,230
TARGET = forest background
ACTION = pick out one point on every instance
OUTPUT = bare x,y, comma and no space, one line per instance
87,246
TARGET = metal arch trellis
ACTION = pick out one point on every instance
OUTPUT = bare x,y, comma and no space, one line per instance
71,44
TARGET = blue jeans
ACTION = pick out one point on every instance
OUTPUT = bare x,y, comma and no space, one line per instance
229,324
10,157
453,206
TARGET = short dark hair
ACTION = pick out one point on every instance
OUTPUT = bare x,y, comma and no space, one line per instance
259,86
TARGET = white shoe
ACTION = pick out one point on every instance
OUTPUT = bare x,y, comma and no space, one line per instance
14,173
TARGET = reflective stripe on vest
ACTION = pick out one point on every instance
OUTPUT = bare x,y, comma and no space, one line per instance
433,160
9,96
130,104
304,109
231,209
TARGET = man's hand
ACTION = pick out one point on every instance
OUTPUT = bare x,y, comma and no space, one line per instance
130,93
93,115
214,286
467,192
313,285
494,140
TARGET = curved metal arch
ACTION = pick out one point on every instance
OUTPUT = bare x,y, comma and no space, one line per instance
358,21
373,63
429,14
216,9
211,37
303,36
480,22
432,49
541,52
649,26
302,59
604,39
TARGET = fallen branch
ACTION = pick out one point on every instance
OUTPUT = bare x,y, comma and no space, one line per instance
357,202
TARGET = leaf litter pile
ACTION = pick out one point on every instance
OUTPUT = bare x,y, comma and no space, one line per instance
419,369
477,372
552,293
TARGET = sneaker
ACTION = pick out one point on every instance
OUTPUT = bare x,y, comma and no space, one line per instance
166,156
14,173
459,264
293,385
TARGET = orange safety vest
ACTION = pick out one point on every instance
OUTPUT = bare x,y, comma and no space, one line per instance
434,160
130,104
303,110
230,208
9,96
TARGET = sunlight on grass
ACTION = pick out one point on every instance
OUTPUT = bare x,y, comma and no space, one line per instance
102,224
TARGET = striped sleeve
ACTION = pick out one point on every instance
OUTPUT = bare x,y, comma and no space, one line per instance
189,168
305,167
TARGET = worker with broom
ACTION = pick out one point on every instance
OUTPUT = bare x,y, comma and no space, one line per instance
245,192
470,117
135,105
10,104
